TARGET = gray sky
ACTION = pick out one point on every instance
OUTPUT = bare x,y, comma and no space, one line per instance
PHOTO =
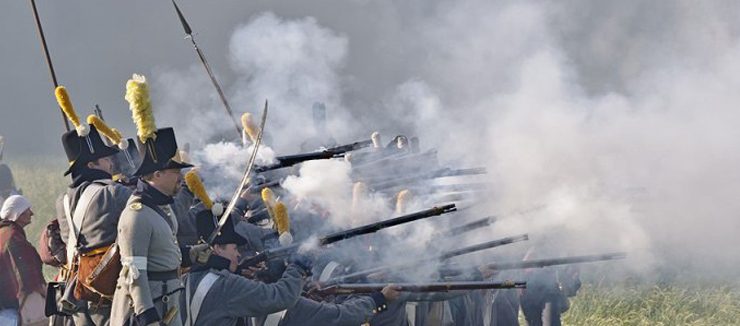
620,115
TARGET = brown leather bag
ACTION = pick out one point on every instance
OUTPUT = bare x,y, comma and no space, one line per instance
97,273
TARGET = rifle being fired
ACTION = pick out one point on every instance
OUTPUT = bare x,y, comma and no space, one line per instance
334,152
441,257
364,288
541,263
348,234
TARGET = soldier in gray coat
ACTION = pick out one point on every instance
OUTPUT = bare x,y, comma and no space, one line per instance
214,295
89,210
149,285
350,311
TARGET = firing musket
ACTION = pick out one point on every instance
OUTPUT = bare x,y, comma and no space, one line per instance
347,234
441,257
333,152
49,64
202,57
441,173
477,224
541,263
364,288
398,164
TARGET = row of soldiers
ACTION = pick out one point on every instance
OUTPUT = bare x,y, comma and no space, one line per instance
136,247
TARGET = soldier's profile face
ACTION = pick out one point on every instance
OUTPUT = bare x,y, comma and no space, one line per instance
170,180
230,252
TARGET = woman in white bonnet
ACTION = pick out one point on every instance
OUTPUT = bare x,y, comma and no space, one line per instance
20,264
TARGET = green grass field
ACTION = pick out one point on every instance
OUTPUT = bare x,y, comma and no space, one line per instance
597,303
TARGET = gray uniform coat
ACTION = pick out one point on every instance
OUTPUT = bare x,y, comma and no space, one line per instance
354,311
232,296
148,243
99,226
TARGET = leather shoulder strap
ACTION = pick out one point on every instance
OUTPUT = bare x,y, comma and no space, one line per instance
193,308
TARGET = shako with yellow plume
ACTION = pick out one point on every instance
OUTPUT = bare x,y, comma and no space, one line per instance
157,147
66,104
196,186
113,134
84,144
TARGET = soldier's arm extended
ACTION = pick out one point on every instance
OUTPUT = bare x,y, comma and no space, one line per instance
134,236
252,298
353,311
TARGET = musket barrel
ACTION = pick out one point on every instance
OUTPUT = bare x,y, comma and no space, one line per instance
290,160
356,288
482,246
373,227
539,263
444,256
477,224
351,233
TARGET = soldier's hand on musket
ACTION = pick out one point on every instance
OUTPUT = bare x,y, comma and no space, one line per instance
391,292
200,253
250,271
303,262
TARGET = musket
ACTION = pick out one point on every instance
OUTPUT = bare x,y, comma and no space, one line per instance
250,165
441,257
347,234
49,64
477,224
486,221
202,57
333,152
541,263
364,288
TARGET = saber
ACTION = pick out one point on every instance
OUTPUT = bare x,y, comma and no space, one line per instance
47,56
250,164
202,57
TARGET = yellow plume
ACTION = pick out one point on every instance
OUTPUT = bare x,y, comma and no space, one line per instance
250,127
281,218
269,198
402,199
104,129
66,104
195,184
137,95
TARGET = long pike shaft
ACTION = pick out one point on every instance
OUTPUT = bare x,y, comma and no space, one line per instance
202,57
216,85
47,56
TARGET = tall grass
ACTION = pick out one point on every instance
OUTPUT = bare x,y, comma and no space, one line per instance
41,181
645,304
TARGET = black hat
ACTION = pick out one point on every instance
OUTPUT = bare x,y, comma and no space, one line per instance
160,153
78,149
205,222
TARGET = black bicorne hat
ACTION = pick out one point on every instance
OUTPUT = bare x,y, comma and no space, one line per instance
160,153
205,222
82,150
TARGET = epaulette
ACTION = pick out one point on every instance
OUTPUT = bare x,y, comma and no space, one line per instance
135,206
